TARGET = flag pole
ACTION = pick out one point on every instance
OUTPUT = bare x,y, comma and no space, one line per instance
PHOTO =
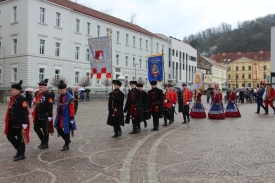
111,57
163,71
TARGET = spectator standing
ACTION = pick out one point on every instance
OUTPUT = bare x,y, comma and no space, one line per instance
87,91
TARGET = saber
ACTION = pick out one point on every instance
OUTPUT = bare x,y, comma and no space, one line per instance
24,136
49,128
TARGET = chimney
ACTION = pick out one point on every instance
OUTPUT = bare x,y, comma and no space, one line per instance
239,53
223,54
261,51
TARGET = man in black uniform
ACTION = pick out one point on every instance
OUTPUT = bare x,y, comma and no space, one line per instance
132,107
155,104
17,122
42,114
143,104
115,108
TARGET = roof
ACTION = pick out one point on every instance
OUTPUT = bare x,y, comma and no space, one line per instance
261,55
102,16
213,62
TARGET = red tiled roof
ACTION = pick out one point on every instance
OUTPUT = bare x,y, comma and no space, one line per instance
261,55
213,62
94,13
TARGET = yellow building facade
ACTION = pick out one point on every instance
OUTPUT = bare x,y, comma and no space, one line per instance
245,72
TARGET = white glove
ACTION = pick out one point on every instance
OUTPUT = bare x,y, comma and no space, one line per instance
72,122
31,116
173,105
187,103
24,126
50,118
165,101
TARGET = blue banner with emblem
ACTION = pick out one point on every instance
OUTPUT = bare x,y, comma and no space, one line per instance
155,68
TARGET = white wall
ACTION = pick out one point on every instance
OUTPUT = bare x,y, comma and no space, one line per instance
273,49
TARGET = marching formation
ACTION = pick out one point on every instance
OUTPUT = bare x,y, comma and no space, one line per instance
17,123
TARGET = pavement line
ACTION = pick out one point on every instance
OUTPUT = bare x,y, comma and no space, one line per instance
126,166
152,173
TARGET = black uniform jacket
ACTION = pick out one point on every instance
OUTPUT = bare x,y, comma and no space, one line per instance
44,107
18,112
116,99
159,96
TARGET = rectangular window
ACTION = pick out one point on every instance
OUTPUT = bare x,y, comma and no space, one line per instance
117,59
14,74
176,53
88,28
42,47
237,77
77,25
14,46
56,74
107,31
134,41
146,81
0,75
134,60
146,44
169,64
140,43
0,19
127,39
76,77
229,68
57,49
87,55
14,9
117,36
243,77
173,52
126,59
57,19
140,61
264,67
249,76
249,68
229,76
157,47
243,68
146,64
162,48
98,31
42,15
88,74
77,53
183,66
264,76
237,68
41,74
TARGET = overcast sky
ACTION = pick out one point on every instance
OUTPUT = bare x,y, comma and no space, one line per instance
179,18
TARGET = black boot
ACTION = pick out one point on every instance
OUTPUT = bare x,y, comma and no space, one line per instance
258,110
17,154
134,128
44,146
273,109
65,147
266,110
145,123
41,144
165,121
19,157
115,135
154,123
184,119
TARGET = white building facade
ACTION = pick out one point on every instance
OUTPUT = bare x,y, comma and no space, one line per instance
49,39
273,56
182,62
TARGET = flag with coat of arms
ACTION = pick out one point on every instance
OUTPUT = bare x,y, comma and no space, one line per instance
100,56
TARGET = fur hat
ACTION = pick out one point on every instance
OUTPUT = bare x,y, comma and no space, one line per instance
18,85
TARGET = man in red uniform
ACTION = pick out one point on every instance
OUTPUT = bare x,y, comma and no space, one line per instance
17,122
168,101
64,120
269,98
184,98
175,97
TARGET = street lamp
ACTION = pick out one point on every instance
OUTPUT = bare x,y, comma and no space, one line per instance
2,48
264,73
135,70
226,63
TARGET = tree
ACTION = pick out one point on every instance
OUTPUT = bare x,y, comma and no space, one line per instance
106,82
55,81
133,18
85,81
140,81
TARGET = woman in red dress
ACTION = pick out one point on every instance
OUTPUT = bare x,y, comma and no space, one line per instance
216,111
231,109
198,109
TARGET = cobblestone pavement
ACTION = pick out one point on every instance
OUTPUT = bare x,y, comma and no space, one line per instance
230,150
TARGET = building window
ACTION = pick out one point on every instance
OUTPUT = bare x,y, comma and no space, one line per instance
264,67
126,59
76,77
146,81
56,74
14,46
14,74
88,28
237,77
57,19
77,53
88,74
0,19
134,78
140,42
14,9
249,76
169,64
0,75
42,47
237,68
97,81
173,52
229,76
140,61
117,36
41,74
127,39
87,55
107,31
157,47
243,68
57,49
42,15
169,76
146,44
176,53
162,48
264,76
98,31
243,77
229,68
146,64
134,60
117,59
183,66
77,25
134,41
249,68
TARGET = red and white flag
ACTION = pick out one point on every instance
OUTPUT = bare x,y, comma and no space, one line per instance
100,56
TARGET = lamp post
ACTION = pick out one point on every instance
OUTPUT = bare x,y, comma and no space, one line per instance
135,70
226,63
4,95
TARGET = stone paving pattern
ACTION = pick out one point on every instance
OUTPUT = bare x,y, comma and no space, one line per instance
230,150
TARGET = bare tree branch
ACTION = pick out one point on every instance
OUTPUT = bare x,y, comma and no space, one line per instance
107,11
106,82
55,81
133,18
140,81
85,81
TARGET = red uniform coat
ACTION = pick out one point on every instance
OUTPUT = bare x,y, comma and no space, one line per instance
170,100
186,96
